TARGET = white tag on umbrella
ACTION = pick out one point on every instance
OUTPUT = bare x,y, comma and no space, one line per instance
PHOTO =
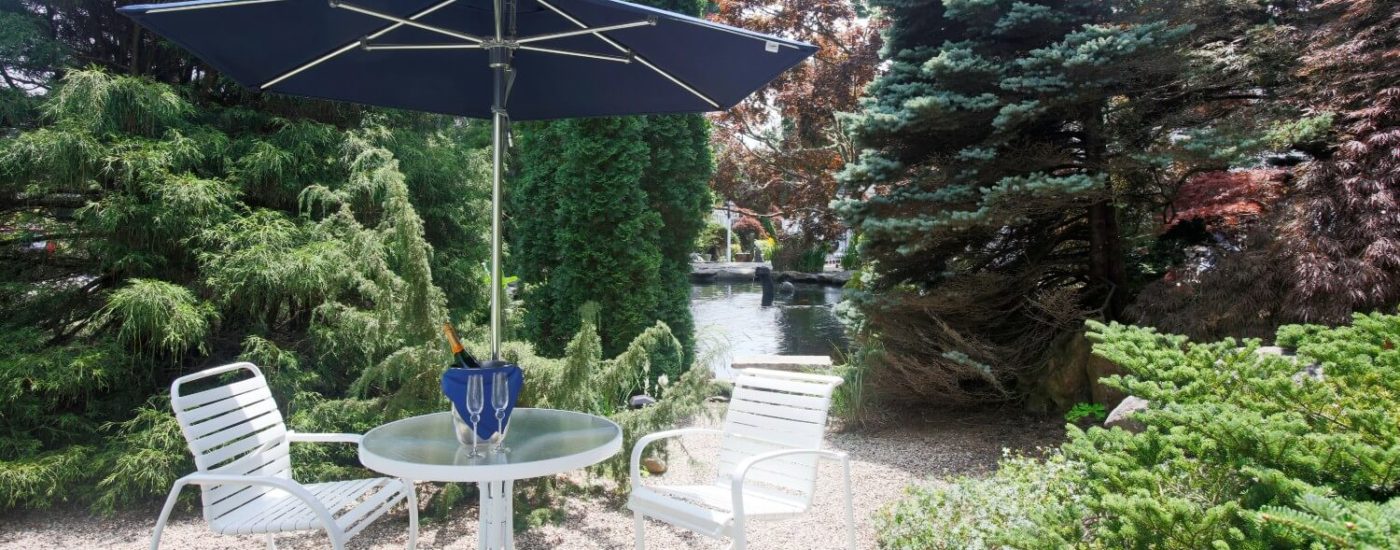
771,46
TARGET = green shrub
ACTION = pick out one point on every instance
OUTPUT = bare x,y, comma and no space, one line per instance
1240,450
710,240
851,260
974,513
158,317
808,257
1082,411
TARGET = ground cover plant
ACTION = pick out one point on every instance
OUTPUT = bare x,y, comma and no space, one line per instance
1241,450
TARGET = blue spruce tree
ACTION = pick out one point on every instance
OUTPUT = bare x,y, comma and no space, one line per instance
998,152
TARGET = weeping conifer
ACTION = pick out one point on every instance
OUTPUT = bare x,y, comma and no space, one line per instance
162,234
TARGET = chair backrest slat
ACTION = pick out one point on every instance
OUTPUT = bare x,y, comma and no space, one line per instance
248,413
749,406
203,413
772,411
233,428
220,393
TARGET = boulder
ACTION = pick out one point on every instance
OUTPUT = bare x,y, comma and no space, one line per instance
654,466
798,277
1073,375
836,278
703,276
1122,415
736,272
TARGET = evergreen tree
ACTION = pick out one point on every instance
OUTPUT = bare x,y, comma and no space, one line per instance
157,235
635,263
676,181
584,231
1002,152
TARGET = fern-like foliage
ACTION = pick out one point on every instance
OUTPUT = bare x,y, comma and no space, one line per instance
149,231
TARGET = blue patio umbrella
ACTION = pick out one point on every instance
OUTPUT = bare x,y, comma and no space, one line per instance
498,59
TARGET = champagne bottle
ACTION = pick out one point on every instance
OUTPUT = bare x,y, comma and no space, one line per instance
464,359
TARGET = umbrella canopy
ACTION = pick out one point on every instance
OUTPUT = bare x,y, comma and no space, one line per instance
522,59
434,55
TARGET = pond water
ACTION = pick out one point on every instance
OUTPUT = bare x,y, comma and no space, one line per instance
730,321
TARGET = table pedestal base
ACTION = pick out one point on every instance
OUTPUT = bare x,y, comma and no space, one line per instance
495,528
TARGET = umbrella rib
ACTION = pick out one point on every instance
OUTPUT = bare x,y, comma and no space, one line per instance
650,21
590,55
212,5
624,49
387,47
676,81
575,21
402,21
783,42
352,45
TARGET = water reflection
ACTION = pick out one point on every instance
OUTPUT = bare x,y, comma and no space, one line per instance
730,319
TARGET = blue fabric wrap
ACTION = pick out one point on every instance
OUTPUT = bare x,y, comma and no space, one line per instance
454,386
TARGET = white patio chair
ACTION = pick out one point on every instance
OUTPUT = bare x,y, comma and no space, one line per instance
772,438
241,447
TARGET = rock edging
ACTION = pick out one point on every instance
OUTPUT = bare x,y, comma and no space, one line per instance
743,272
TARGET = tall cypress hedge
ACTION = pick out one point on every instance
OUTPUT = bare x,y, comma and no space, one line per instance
584,231
605,210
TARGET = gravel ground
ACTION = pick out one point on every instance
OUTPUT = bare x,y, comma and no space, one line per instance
921,447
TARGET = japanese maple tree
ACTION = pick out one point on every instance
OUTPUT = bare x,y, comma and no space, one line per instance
777,152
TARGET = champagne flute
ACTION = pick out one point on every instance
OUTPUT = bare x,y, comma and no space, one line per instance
475,402
500,399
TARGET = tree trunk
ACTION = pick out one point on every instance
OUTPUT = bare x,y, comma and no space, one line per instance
135,68
1106,268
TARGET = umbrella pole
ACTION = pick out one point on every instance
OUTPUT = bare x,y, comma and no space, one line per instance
497,146
497,131
500,63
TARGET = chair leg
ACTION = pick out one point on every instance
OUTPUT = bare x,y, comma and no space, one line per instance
165,513
640,528
412,502
739,542
850,506
271,542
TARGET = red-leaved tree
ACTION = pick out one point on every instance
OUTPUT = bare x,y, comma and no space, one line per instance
777,152
1332,246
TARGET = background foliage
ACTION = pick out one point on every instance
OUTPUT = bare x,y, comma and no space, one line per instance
156,219
1025,166
1241,450
152,233
1327,246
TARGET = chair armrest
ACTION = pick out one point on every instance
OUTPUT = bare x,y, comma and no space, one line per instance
653,437
742,469
298,437
281,483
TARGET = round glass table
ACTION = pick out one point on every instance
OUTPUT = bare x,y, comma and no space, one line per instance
540,442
